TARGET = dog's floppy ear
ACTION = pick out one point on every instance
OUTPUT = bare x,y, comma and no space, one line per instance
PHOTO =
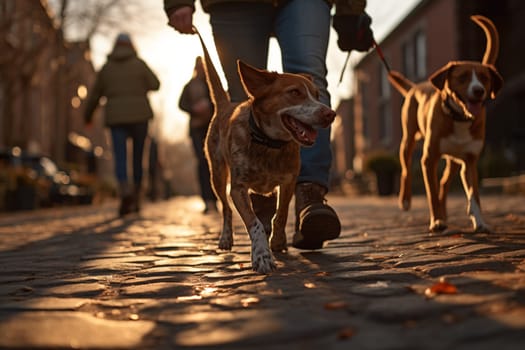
254,80
439,77
496,81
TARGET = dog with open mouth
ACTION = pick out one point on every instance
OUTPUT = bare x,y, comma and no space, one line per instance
448,112
254,146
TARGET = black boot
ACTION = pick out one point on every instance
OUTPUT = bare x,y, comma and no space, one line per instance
127,201
315,221
137,196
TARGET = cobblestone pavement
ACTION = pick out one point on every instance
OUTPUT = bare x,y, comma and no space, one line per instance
81,278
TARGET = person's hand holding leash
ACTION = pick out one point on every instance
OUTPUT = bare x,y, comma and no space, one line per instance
182,20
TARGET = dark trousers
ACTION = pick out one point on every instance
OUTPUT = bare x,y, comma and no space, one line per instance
198,135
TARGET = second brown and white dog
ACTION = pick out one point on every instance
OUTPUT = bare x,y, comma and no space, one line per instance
254,145
448,112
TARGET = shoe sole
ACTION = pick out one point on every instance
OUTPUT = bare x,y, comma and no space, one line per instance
319,223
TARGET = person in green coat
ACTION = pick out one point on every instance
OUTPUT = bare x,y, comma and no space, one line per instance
125,80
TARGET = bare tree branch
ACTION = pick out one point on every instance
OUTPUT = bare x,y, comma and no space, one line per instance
81,20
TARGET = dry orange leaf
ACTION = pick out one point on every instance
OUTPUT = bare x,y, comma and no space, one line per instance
441,287
336,305
346,333
321,274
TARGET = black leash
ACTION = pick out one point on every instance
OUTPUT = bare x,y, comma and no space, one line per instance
379,52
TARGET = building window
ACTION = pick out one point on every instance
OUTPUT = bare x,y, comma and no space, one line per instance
384,110
415,57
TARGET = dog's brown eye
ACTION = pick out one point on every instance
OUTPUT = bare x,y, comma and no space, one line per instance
484,78
463,78
295,92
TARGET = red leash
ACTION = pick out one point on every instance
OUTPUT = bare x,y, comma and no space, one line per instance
380,53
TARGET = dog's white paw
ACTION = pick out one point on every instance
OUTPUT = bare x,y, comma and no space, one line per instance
437,225
263,262
262,259
226,241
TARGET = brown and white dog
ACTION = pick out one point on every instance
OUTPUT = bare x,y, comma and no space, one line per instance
448,112
255,145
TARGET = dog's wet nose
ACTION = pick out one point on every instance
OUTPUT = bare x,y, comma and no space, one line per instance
329,115
478,92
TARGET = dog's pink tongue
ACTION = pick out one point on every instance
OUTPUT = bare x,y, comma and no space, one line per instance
311,135
475,108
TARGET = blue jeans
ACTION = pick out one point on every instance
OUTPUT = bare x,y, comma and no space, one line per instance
302,28
119,136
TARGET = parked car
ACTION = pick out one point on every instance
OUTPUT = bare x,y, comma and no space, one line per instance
32,181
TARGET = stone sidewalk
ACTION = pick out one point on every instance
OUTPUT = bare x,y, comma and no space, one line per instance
80,278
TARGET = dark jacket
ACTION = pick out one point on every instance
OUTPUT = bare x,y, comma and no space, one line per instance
195,100
124,80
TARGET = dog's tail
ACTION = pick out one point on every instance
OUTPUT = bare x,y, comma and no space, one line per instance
400,82
218,95
491,33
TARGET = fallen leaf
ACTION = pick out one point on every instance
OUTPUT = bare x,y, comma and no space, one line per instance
336,305
310,285
346,333
321,274
249,301
442,287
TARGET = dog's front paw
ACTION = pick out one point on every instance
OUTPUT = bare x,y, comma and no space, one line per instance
262,259
263,262
278,242
437,226
404,204
226,241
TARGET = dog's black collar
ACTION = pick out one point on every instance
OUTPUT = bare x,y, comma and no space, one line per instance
454,113
258,136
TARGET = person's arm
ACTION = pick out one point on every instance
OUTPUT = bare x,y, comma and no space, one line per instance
93,99
152,82
352,7
180,15
184,100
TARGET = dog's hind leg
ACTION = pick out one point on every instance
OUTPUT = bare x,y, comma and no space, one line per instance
451,169
278,237
219,177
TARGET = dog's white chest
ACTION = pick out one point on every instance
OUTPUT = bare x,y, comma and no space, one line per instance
460,142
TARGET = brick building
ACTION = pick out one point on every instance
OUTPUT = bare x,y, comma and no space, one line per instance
41,76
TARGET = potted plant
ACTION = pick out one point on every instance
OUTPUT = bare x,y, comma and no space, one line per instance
386,168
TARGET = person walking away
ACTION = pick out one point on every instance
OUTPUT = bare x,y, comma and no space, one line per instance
195,100
125,80
242,30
